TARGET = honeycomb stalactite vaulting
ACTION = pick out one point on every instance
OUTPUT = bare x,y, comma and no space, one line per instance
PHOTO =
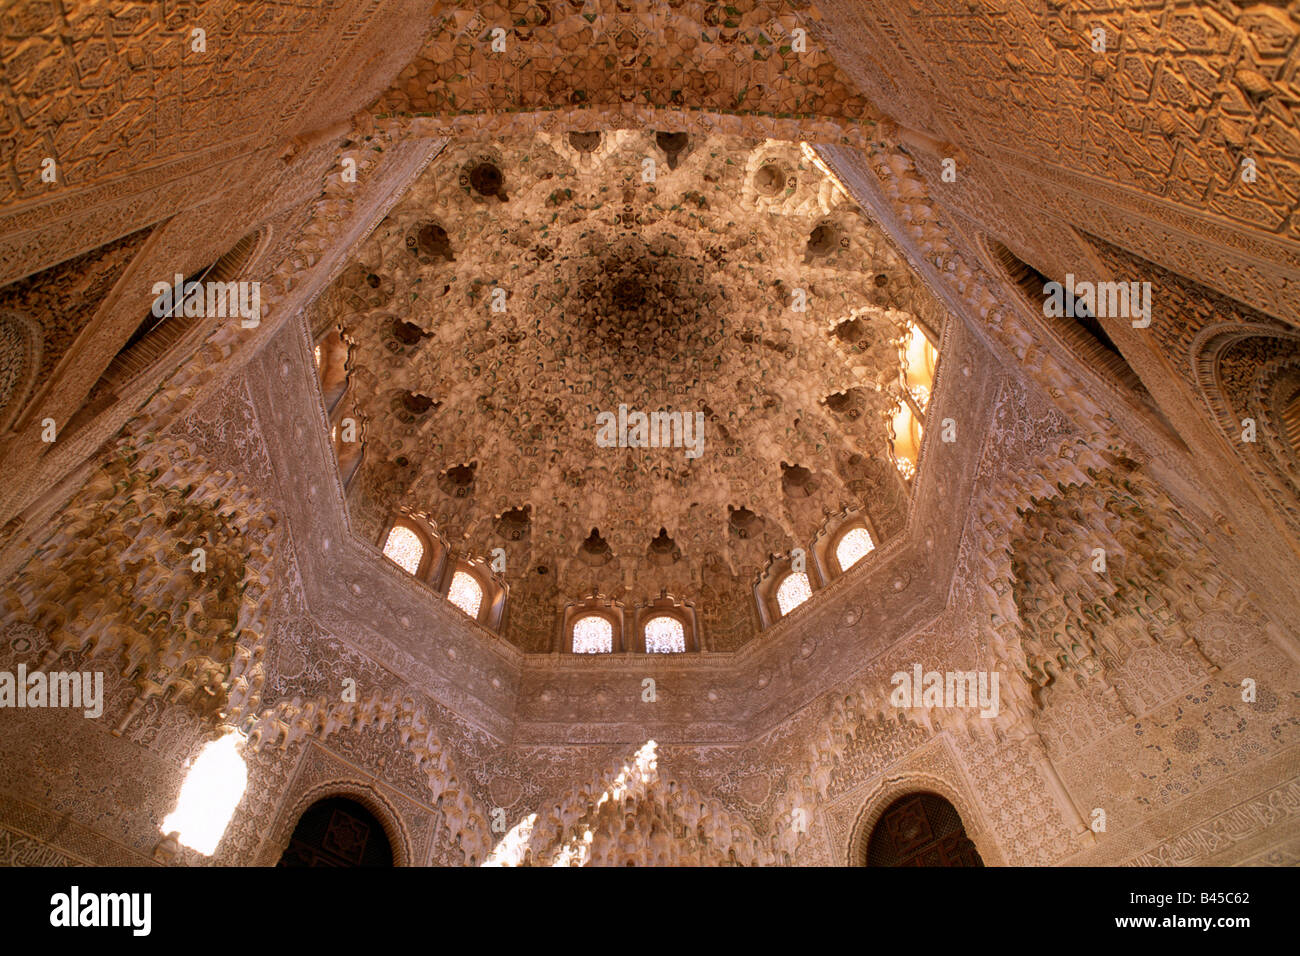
291,722
117,580
639,818
748,59
1152,588
495,317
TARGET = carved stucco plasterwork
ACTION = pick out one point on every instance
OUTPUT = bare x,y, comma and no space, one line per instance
934,767
1202,746
1014,422
63,298
21,347
750,311
1215,839
143,126
19,849
1143,142
993,774
887,182
1028,438
637,814
1250,268
321,775
898,196
1030,795
392,738
1228,357
305,250
744,61
350,603
235,840
50,755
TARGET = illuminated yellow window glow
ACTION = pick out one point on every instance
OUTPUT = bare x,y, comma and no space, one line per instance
919,360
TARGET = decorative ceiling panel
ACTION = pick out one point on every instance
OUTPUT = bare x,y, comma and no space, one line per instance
525,302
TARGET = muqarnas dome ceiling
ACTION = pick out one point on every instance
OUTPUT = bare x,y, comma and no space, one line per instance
520,290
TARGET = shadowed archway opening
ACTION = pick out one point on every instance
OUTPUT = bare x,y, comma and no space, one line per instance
1083,334
338,832
921,829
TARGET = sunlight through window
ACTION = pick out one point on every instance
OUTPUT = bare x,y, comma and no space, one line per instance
665,635
853,547
209,796
919,360
907,439
919,357
794,590
403,546
465,593
593,635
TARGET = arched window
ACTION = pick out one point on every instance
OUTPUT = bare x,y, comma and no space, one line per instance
593,634
338,832
466,593
921,829
794,590
854,545
665,634
208,798
405,548
1249,376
